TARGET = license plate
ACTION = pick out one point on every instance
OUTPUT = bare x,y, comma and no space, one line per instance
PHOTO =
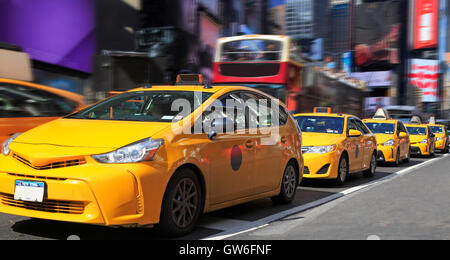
30,191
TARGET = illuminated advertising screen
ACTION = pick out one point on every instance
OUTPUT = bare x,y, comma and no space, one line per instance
377,29
426,17
424,75
55,32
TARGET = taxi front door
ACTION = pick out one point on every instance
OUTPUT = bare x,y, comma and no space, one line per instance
355,147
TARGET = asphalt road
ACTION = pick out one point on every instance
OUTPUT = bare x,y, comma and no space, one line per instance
388,206
414,206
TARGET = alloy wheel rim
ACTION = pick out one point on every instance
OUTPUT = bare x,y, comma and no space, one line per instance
397,160
289,181
185,203
373,164
343,170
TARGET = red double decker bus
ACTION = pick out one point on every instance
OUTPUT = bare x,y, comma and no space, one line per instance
259,61
273,64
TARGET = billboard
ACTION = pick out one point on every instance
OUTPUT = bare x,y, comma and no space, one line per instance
424,76
426,19
56,32
376,37
372,104
375,79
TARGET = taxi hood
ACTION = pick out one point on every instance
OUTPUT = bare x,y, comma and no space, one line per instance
383,138
417,138
90,133
321,139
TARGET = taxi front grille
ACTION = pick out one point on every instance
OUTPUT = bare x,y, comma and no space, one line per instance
54,165
50,206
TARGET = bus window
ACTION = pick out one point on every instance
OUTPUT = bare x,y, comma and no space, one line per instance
251,50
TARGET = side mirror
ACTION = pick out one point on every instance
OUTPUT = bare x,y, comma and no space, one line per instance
212,135
403,134
354,133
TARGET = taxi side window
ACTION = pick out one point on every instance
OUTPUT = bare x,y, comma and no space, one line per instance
351,125
361,127
258,109
230,106
266,114
401,128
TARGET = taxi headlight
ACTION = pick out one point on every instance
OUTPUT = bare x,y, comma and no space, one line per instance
439,139
5,145
320,149
140,151
389,143
425,141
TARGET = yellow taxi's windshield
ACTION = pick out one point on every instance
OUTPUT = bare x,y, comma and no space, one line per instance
381,128
145,106
417,130
437,129
321,124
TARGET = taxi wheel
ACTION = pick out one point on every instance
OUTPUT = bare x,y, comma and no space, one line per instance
288,185
397,159
373,167
182,204
432,151
343,171
408,159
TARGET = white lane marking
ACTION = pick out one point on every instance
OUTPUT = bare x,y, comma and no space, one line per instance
245,226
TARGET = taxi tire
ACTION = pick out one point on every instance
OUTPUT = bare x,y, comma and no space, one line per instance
408,159
397,158
284,197
340,180
432,152
373,167
168,225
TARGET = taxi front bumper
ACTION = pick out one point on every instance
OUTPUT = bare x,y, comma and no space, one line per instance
420,149
386,154
321,166
93,193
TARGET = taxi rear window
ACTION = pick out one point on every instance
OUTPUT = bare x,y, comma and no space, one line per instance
321,124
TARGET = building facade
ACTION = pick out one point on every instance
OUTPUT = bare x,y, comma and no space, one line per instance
307,19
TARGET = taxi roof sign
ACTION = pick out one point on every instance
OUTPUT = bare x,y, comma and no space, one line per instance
432,120
189,79
416,120
381,114
323,110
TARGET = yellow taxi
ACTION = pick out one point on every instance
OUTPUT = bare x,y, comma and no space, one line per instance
336,145
159,155
392,138
422,139
441,136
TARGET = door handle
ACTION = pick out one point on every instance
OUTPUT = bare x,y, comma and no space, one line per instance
249,144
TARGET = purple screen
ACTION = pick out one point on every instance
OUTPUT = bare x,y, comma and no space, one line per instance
60,32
